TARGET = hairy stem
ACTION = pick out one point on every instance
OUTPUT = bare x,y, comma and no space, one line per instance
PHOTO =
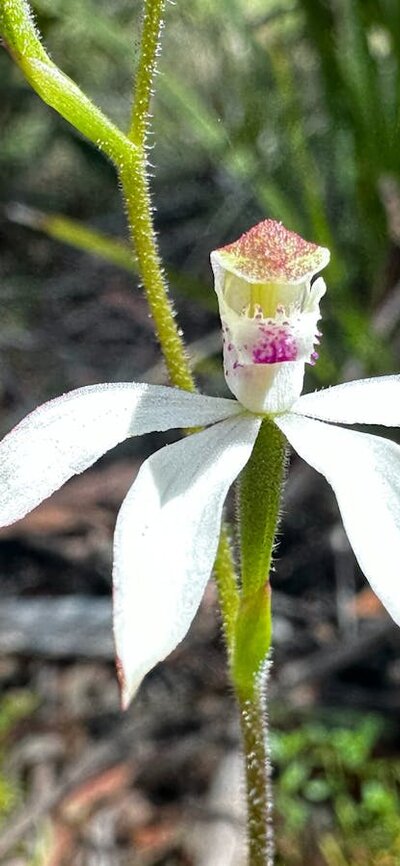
152,24
138,202
260,490
253,723
225,578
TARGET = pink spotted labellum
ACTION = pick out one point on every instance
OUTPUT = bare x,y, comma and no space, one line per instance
167,530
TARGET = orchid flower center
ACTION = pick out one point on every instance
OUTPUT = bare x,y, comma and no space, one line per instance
263,301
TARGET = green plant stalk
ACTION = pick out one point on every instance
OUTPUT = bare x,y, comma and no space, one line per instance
151,30
258,784
226,581
260,490
135,187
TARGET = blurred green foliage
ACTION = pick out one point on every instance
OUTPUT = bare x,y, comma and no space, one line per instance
336,792
13,709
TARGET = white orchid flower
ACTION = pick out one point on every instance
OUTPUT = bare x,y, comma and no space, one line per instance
168,527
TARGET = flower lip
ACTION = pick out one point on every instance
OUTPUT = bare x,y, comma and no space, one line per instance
271,253
276,344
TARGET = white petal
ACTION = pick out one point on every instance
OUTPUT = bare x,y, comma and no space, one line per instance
366,401
364,472
166,540
68,434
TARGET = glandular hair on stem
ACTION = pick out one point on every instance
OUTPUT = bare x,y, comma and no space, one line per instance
254,721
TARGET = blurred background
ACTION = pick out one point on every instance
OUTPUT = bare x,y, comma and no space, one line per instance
286,109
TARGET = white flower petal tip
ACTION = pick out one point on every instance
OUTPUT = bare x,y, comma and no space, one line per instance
364,472
67,435
269,313
166,540
366,401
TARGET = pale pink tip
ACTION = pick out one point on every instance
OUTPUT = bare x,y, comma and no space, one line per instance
270,253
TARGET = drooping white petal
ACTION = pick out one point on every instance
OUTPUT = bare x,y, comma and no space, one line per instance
364,472
366,401
66,435
166,540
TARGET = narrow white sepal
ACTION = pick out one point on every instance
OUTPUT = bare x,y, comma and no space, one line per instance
66,435
364,472
366,401
166,540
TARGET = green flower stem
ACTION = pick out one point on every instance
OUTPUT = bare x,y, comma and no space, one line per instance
136,193
258,785
226,581
152,23
260,489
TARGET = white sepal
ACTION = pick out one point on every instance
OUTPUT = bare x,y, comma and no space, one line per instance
66,435
364,472
366,401
166,539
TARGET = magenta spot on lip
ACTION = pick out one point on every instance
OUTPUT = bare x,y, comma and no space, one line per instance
229,347
275,346
314,358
